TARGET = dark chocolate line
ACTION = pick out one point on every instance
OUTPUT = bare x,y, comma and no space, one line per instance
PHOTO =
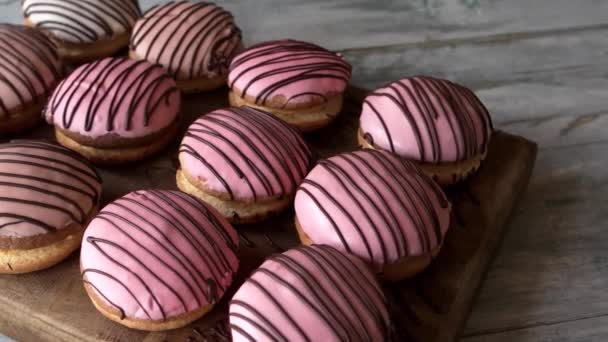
295,57
82,18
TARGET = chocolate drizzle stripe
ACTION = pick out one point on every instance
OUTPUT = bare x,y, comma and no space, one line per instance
429,99
131,82
204,45
32,221
199,269
289,58
378,202
342,295
272,336
121,310
390,222
107,216
89,169
80,218
42,177
82,20
255,146
184,233
96,242
325,306
362,290
267,294
105,274
341,209
29,59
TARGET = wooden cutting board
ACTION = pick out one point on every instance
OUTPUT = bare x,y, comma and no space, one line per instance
52,305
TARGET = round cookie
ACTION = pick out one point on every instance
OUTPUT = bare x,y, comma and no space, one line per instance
29,71
194,41
440,125
115,110
377,206
157,260
244,162
84,30
310,294
48,194
299,82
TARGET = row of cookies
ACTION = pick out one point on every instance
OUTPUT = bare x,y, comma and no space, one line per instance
248,164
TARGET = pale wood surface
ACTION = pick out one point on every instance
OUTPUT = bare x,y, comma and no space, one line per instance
541,66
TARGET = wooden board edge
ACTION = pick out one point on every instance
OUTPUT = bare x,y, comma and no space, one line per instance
492,245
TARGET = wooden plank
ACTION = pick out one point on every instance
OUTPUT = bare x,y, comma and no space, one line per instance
588,330
546,88
51,305
552,265
343,24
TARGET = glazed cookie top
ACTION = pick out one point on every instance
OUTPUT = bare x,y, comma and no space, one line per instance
426,119
29,67
115,97
372,204
44,188
310,294
288,73
82,21
245,153
190,39
154,255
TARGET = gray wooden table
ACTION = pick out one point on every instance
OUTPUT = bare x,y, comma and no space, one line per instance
541,66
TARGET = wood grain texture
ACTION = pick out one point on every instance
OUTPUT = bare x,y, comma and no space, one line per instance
51,305
540,66
552,265
588,330
347,24
547,88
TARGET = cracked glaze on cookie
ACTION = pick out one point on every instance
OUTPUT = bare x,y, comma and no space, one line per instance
154,255
245,153
426,119
298,72
310,294
372,204
190,39
44,188
115,96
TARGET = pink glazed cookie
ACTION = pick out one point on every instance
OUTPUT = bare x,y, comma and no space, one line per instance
244,162
440,125
84,30
29,71
310,294
48,194
301,83
157,260
115,110
194,41
377,206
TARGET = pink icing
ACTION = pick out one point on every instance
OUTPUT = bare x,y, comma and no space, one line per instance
374,205
426,119
118,96
246,153
154,255
300,72
310,294
190,39
44,188
82,21
29,67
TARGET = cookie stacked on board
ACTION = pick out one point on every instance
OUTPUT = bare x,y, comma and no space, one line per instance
159,259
